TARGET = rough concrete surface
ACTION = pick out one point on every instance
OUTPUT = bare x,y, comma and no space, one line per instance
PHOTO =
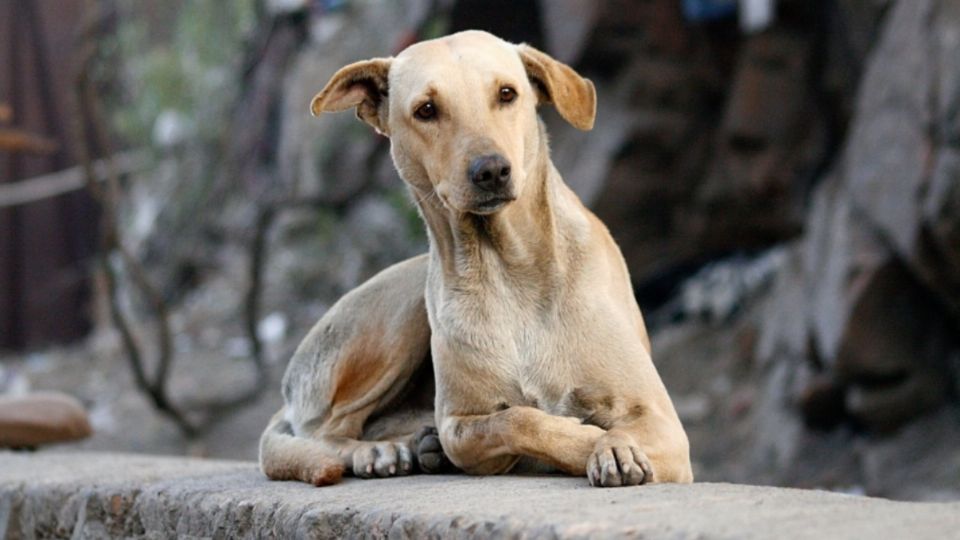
110,495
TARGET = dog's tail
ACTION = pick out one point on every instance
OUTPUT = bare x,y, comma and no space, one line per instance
284,456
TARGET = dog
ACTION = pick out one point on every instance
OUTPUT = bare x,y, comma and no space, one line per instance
517,337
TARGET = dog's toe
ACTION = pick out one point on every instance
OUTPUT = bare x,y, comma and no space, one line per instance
364,460
385,463
430,456
430,462
405,459
613,466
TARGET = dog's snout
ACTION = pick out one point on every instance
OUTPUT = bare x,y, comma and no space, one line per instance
489,173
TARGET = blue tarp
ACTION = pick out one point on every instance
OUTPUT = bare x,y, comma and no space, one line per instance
708,10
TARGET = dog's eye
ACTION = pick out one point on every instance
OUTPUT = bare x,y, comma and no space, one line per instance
427,111
507,94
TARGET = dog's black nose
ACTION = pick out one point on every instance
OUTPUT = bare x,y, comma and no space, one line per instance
489,173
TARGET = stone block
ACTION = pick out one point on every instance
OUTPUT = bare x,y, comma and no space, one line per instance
114,495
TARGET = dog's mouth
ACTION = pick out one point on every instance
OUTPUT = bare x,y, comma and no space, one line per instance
491,205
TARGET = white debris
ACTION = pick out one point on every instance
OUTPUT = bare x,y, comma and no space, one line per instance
284,7
172,128
720,289
102,418
272,328
756,15
12,382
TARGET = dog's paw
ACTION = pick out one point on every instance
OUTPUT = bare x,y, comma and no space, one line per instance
618,464
382,459
430,454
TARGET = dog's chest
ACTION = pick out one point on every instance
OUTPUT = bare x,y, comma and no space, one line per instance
529,354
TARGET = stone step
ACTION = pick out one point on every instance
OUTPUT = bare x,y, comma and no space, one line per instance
84,495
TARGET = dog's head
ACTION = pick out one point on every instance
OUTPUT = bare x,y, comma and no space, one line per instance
460,112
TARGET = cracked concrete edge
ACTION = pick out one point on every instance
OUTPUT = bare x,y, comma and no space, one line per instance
114,495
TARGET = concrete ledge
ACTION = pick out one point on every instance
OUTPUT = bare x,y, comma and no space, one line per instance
101,495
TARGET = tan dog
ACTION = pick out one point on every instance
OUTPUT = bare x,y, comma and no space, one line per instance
523,301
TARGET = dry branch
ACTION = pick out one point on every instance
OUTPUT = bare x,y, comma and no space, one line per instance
258,252
50,185
18,140
111,240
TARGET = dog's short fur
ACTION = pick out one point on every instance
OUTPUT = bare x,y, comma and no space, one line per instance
523,302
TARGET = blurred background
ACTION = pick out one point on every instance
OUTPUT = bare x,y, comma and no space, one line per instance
783,177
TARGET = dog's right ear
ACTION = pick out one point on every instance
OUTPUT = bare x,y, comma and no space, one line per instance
362,85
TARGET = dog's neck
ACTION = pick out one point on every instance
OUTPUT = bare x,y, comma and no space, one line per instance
523,240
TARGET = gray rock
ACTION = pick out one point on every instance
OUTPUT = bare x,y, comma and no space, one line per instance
103,495
41,418
878,265
885,160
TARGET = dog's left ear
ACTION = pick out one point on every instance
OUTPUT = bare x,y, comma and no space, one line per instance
557,83
362,85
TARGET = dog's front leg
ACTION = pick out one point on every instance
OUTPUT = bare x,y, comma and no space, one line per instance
493,443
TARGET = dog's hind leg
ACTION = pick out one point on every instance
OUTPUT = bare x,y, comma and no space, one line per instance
357,385
284,456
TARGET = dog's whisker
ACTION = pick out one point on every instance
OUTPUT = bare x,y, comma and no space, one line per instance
425,198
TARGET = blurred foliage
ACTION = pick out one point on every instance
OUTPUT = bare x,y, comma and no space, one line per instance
317,229
179,57
401,198
435,27
173,72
